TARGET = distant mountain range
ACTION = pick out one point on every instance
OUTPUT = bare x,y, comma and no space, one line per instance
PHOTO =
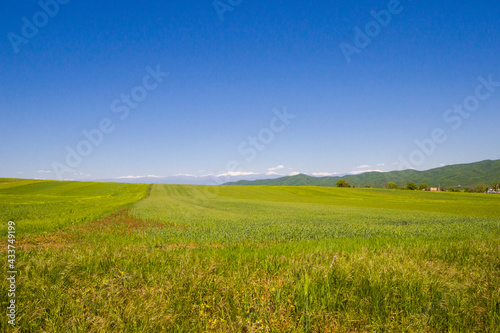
184,179
487,172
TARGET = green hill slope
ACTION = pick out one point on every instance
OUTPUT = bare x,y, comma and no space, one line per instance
487,172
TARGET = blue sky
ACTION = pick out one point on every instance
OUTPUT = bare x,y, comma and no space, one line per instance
68,67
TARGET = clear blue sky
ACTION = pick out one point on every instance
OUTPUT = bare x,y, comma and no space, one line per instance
225,78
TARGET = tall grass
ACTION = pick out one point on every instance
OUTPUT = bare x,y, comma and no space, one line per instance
47,206
327,260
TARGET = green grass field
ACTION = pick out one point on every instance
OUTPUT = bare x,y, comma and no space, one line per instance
96,257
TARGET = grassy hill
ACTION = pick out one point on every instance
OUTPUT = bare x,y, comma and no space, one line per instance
95,257
47,205
487,172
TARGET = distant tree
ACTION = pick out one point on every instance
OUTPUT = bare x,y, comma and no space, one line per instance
453,189
343,183
481,188
423,186
411,186
392,186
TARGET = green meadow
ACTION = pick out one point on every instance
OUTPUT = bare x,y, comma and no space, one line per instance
104,257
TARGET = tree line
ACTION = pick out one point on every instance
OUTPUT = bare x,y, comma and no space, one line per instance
411,186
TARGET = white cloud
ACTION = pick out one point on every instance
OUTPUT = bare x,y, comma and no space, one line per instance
19,172
323,174
380,164
44,171
236,173
294,173
356,172
363,166
135,177
279,167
